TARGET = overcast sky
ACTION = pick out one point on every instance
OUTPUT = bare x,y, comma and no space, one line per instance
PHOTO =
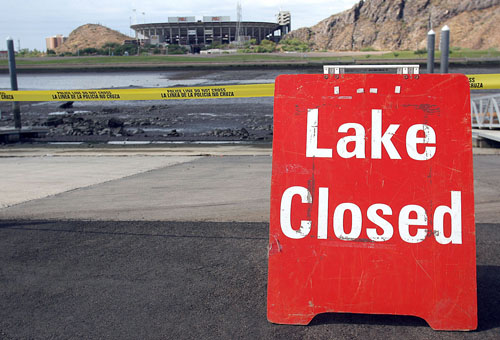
30,22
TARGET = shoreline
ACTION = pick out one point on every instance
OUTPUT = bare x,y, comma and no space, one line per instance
231,65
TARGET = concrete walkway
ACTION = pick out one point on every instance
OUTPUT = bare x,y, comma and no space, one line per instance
176,183
167,184
28,178
211,188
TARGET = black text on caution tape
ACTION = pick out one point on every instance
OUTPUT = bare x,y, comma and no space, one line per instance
475,85
218,92
5,96
84,95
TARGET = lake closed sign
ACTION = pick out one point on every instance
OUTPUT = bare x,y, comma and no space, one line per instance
372,202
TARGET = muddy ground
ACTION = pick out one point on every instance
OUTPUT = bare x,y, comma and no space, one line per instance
239,119
245,119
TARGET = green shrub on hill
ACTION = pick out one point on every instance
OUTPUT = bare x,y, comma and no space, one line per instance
266,46
294,45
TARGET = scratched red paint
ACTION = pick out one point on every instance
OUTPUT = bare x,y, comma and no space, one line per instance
372,203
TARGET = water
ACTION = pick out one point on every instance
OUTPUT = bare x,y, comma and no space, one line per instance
74,81
90,80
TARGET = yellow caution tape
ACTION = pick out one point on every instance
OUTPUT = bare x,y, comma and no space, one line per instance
484,81
232,91
476,81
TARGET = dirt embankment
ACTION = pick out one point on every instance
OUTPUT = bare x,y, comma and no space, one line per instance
91,36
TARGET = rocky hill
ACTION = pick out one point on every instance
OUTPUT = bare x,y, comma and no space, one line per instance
90,35
403,25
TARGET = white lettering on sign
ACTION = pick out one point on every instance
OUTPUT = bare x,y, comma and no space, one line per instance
358,139
323,213
285,220
386,227
455,212
312,137
379,139
356,221
405,222
412,140
409,217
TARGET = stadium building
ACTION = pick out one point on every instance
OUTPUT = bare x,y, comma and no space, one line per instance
188,31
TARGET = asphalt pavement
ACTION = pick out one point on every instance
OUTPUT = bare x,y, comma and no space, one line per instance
174,246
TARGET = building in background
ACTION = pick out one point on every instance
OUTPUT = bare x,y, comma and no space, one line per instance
284,19
188,31
55,41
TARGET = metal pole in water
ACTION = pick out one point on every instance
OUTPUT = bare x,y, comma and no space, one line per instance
445,48
431,46
13,82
